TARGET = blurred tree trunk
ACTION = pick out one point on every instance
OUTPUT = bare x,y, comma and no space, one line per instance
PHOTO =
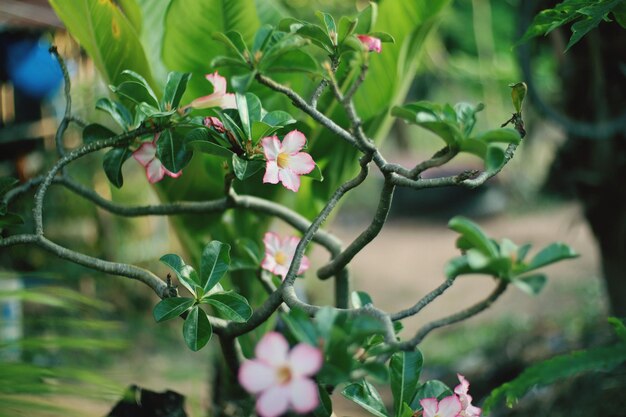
592,165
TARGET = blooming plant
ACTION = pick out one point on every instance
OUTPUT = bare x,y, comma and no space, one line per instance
281,378
339,347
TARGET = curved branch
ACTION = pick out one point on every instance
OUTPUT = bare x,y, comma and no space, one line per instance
455,318
427,299
339,262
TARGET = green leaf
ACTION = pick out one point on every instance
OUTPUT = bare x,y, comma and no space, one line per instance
94,132
367,19
293,61
278,118
495,159
230,305
531,284
555,369
244,168
518,93
457,266
472,232
347,26
551,254
301,327
235,42
174,89
185,273
227,61
360,299
107,36
171,307
404,370
260,130
325,407
315,33
618,327
197,329
172,152
242,108
288,43
112,164
117,111
383,36
316,174
329,24
214,263
6,184
430,389
135,92
198,140
10,219
364,394
503,135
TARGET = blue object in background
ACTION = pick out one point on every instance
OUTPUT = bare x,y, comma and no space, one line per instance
32,69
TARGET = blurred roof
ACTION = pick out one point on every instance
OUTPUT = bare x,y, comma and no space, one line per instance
28,14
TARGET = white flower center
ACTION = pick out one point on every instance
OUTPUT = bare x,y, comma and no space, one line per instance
282,160
280,257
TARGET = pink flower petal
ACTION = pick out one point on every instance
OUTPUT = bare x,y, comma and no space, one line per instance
269,263
305,360
449,407
145,153
282,270
155,171
301,163
372,43
272,349
271,172
272,242
473,411
293,142
290,179
463,387
256,376
304,265
212,100
430,406
172,174
273,402
271,147
303,395
228,101
219,83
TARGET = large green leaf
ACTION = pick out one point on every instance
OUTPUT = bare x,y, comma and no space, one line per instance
197,330
107,35
214,263
405,369
188,44
231,305
365,395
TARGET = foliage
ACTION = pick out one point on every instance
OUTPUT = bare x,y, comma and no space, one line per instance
560,367
584,14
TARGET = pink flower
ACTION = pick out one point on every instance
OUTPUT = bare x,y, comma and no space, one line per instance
448,407
372,43
279,254
219,98
468,410
215,123
146,156
281,379
284,161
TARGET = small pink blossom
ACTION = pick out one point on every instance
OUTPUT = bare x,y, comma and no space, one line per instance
461,390
447,407
219,97
285,162
281,379
146,156
279,254
214,123
372,43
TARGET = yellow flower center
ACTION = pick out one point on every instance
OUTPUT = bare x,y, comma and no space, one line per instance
283,375
282,160
280,257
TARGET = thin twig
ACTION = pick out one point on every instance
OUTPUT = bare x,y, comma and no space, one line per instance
427,299
340,261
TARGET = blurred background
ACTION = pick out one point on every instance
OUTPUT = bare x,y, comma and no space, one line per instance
89,336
